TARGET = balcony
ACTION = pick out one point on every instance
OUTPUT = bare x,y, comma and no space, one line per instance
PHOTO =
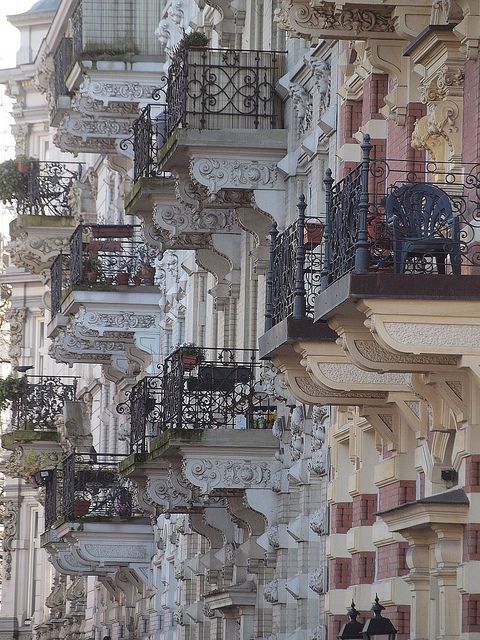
103,298
109,62
32,432
44,211
211,92
93,525
208,405
216,389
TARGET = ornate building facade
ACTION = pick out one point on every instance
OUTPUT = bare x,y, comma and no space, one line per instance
243,322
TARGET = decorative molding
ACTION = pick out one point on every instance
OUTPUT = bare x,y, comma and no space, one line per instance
316,581
319,522
124,91
270,592
221,173
303,104
10,519
25,462
227,474
327,20
322,78
16,319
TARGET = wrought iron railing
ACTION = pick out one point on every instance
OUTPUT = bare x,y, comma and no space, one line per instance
62,61
52,498
199,389
115,28
296,259
46,188
149,136
144,404
39,400
405,218
102,256
208,89
224,89
89,486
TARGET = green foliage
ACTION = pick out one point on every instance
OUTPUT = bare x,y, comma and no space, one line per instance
194,39
14,183
11,388
188,349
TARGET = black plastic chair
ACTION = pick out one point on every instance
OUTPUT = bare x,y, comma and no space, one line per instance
423,225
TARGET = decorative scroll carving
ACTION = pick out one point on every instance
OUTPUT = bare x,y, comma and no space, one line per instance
16,318
228,474
217,174
302,20
10,516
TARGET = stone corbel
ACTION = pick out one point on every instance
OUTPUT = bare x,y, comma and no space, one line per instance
35,247
440,132
387,56
245,516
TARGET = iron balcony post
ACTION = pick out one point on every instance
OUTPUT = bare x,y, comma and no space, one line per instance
361,245
325,275
269,296
299,301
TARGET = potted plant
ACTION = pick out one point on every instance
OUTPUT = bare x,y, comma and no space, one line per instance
13,183
194,40
313,233
11,388
191,356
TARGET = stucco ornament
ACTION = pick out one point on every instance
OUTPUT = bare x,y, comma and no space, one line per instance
303,104
319,522
270,592
316,581
10,516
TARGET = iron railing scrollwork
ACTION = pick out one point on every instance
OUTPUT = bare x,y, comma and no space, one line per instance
209,89
149,136
47,187
51,498
294,277
77,31
216,389
40,400
224,89
91,487
404,217
103,255
62,61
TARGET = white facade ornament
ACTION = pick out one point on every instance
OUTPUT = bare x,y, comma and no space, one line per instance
222,173
322,78
208,474
10,516
303,104
270,592
16,319
319,522
316,581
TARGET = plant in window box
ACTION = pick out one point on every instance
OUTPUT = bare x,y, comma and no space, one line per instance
191,356
14,179
194,40
11,388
